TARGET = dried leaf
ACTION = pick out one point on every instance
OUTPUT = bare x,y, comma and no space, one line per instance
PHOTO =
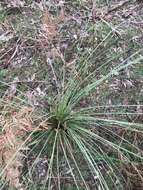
49,25
34,95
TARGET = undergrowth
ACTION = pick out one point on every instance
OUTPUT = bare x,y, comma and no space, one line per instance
76,134
84,141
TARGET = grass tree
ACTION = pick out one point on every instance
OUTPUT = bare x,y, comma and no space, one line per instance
82,145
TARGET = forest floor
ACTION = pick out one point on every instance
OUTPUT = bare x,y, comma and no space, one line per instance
37,40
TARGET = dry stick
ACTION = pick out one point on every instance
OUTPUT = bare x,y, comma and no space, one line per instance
114,8
14,53
28,81
64,65
118,6
6,52
46,82
54,74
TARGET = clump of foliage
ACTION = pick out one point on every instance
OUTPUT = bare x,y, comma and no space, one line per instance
75,139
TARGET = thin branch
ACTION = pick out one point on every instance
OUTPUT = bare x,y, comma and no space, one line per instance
120,5
54,74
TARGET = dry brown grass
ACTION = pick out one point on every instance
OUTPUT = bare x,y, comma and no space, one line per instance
14,128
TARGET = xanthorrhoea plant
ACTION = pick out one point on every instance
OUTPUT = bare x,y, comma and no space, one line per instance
76,139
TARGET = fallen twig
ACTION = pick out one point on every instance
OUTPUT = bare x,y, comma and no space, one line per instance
114,8
49,61
14,53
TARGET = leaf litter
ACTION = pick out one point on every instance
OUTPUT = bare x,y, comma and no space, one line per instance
50,24
13,128
50,31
